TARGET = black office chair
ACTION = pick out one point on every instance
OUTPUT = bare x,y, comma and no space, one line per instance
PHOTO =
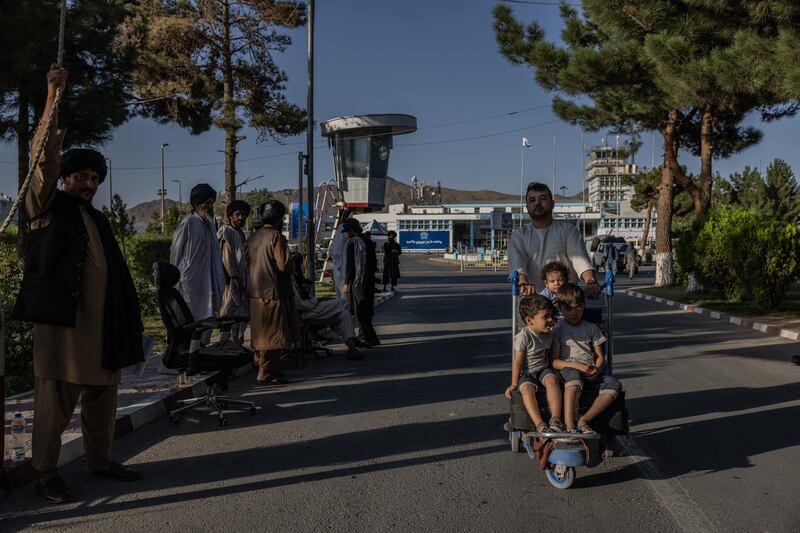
185,352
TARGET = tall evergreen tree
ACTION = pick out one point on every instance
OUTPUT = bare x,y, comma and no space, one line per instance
782,192
749,191
121,222
95,100
210,63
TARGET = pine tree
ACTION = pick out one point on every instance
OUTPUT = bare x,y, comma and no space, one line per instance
97,92
749,191
121,222
210,63
782,192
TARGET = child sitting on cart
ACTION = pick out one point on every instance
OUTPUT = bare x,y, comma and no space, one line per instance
530,369
554,275
579,358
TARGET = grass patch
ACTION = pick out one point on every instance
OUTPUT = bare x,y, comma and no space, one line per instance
788,311
324,290
154,328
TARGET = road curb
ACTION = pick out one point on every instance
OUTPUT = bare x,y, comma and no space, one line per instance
746,323
128,419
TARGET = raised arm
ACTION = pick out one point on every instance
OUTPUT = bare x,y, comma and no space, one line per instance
45,176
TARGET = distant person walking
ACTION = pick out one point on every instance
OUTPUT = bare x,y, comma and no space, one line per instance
631,261
391,260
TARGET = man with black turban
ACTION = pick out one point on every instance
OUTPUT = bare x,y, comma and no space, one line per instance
79,294
273,320
195,251
231,241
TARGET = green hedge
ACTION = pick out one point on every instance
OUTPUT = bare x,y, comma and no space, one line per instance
19,335
142,250
745,256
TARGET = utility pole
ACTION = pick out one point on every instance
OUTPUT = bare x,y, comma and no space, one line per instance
301,158
311,253
180,196
554,164
163,190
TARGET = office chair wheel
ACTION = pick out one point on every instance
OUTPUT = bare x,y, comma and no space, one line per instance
253,411
223,421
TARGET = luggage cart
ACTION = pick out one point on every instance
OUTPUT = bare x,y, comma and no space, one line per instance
559,454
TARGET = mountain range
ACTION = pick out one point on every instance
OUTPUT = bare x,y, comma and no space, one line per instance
396,193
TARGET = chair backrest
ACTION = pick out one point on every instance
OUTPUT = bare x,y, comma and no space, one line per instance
174,313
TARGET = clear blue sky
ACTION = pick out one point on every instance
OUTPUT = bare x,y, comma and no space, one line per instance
437,60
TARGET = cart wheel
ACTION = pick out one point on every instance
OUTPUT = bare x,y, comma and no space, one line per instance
223,421
561,477
173,420
252,411
515,441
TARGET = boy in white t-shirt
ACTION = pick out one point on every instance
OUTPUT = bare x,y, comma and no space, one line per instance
530,369
579,358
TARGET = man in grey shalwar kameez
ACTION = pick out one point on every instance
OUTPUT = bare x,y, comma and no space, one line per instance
235,301
195,251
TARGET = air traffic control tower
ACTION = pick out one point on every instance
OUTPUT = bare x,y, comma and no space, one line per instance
361,146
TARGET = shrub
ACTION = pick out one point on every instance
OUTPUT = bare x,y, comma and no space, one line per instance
142,251
770,263
736,251
713,249
18,335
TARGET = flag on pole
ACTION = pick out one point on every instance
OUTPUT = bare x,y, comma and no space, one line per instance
525,143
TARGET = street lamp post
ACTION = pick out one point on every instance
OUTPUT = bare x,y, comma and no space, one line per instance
180,196
311,251
163,225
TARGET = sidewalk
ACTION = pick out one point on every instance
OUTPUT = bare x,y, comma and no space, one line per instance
144,395
769,329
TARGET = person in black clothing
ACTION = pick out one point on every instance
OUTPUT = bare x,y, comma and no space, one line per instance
391,260
361,266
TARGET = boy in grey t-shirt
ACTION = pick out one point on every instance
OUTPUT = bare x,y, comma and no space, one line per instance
578,355
531,365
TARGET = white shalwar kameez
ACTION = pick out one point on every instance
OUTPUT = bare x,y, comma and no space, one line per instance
195,251
530,249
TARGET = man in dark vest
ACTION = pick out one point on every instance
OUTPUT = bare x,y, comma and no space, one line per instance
79,294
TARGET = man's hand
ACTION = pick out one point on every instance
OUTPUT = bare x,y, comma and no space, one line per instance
511,388
345,288
526,289
56,79
592,290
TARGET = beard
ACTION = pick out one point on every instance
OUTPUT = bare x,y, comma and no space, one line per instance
540,213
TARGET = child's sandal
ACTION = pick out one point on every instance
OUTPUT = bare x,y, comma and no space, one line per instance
557,425
585,429
543,428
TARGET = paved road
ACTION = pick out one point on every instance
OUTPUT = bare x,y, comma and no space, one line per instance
411,439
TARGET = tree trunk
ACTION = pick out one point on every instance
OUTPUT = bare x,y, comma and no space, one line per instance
702,199
664,264
647,218
228,107
23,164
